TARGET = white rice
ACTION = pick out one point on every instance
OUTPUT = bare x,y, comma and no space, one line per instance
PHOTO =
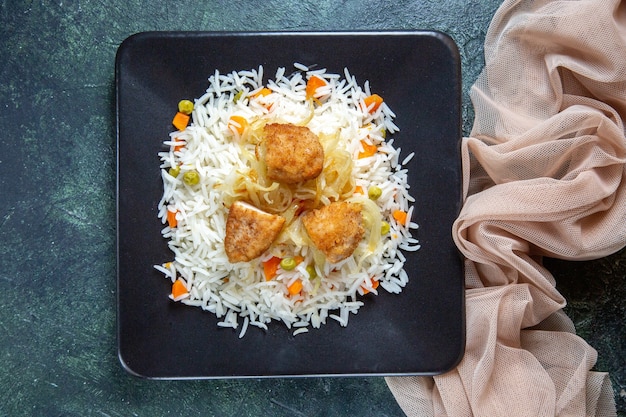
238,294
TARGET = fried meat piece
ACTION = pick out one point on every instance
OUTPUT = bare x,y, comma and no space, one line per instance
249,231
336,229
292,153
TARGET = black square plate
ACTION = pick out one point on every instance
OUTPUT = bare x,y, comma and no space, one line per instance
420,331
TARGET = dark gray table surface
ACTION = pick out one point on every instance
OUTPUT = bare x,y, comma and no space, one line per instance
57,229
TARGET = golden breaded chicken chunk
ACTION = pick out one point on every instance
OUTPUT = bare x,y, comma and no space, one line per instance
292,153
336,229
249,231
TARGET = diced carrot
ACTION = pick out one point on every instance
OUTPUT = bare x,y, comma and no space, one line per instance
375,284
178,289
400,216
167,265
171,219
368,150
239,123
312,85
298,259
374,99
295,288
270,267
180,121
358,189
178,144
263,92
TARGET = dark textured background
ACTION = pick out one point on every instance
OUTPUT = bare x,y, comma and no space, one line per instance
57,229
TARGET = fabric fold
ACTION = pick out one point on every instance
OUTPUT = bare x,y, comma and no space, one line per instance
544,175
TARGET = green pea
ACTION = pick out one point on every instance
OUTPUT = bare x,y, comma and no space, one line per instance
238,96
384,228
374,192
288,264
185,106
312,272
191,177
174,171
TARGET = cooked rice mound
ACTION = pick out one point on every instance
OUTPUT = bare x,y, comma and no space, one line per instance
294,217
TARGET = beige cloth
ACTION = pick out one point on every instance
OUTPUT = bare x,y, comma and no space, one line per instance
544,175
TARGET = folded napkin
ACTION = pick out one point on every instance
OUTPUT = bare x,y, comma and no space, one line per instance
544,175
